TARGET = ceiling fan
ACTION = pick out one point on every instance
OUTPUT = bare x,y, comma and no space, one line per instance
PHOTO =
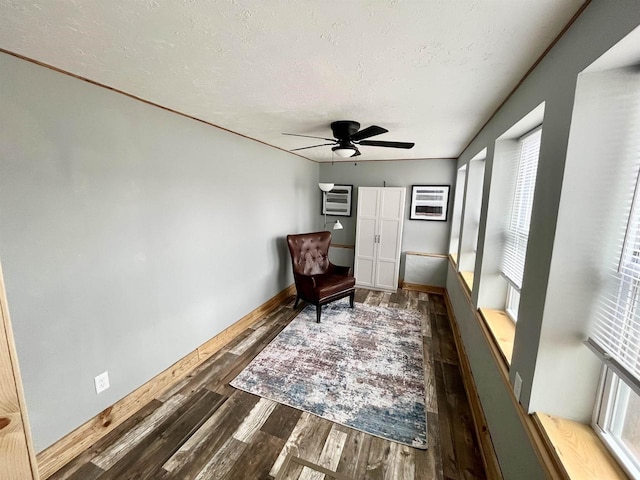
347,136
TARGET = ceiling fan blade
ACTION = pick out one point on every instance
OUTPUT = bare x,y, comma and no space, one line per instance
309,136
357,153
312,146
371,131
381,143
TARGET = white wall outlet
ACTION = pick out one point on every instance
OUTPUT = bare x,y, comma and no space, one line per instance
102,382
517,386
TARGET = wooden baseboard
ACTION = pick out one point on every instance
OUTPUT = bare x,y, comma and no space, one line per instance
17,455
64,450
489,456
416,287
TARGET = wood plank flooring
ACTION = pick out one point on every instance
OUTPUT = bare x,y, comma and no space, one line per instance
202,428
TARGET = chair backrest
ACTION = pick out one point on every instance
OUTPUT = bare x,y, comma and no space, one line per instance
309,252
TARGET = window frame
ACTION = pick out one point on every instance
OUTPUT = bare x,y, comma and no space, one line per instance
512,305
607,412
514,228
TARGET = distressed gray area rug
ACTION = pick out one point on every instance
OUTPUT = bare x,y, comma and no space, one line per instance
360,367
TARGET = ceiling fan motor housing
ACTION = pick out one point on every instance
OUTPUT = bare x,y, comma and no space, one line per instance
343,129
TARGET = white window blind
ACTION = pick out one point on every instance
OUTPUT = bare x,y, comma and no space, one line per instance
517,234
615,334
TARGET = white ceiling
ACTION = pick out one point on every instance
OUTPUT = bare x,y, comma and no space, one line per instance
431,72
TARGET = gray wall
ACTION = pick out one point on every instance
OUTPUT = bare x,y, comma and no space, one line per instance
418,235
518,461
129,236
553,81
426,270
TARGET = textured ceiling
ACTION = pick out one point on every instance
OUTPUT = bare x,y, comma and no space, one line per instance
431,72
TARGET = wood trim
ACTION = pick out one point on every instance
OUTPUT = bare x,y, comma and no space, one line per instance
423,254
552,468
531,69
489,456
453,260
502,329
467,281
339,245
416,287
148,102
577,448
17,454
60,453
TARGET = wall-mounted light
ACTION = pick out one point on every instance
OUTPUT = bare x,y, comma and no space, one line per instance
327,187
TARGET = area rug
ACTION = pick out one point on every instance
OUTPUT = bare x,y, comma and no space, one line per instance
360,367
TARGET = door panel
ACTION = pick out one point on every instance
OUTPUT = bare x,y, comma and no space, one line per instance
365,238
386,275
389,240
392,203
365,269
368,202
366,229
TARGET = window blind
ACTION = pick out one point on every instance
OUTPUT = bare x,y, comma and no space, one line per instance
615,334
517,234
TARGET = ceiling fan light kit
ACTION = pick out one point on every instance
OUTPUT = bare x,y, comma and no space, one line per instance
347,136
344,152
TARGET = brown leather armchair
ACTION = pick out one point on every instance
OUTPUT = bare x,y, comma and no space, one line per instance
318,281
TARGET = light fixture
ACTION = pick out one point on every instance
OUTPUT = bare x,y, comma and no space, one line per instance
326,187
336,225
345,151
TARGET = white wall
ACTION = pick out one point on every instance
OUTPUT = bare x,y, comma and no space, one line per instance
129,236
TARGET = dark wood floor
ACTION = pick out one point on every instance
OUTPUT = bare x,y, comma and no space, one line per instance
202,428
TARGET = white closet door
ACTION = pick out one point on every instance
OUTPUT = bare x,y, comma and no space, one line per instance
390,239
365,254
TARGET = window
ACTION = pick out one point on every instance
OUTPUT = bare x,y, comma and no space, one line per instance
456,220
517,234
471,215
615,338
513,303
617,421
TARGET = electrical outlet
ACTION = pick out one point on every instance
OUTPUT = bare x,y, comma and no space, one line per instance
102,382
517,386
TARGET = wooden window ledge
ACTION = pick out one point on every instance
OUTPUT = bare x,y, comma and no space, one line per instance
578,449
502,329
467,278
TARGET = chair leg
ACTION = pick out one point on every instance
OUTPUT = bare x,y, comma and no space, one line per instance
351,297
318,312
295,305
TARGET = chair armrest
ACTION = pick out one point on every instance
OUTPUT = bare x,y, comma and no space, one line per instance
305,281
340,270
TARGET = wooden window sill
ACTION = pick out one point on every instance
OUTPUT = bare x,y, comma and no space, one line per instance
467,278
502,329
578,449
